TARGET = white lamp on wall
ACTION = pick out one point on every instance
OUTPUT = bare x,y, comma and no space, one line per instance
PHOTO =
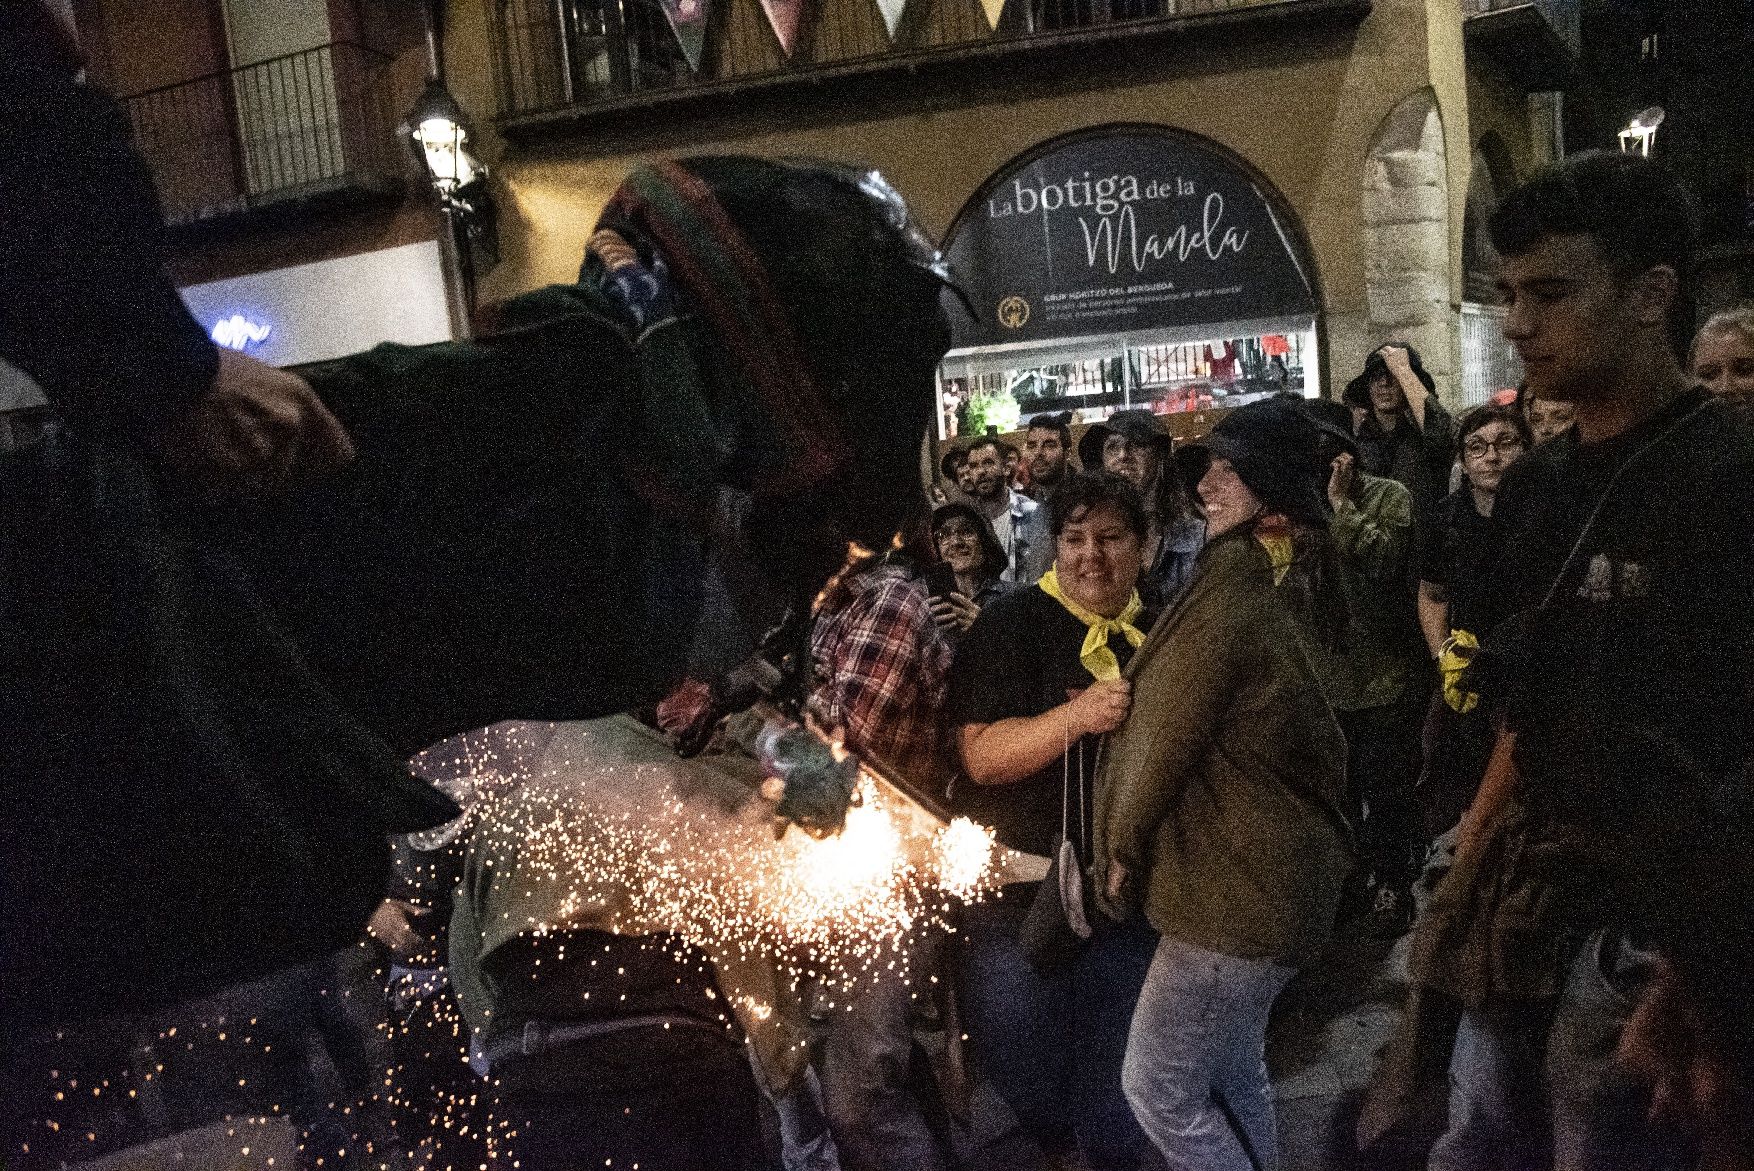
440,135
1641,133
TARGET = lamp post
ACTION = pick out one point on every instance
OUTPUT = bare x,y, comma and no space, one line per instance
439,134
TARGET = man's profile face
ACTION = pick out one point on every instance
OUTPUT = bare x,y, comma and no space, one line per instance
986,472
1046,455
1569,318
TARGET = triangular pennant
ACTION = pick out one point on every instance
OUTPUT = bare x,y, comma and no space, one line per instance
891,10
688,21
993,8
784,16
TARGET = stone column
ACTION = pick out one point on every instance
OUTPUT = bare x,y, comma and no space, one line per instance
1407,242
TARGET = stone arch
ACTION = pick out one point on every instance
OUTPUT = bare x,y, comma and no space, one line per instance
1407,237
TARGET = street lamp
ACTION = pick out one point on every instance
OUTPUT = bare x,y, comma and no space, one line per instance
439,135
1641,132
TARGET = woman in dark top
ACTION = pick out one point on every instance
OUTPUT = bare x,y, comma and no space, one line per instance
1454,582
965,577
1035,686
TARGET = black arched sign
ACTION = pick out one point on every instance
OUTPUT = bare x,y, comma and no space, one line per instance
1124,228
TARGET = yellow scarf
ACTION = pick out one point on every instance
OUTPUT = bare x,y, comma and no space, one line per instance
1095,655
1274,534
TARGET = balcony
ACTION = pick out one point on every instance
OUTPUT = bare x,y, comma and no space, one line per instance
312,128
621,64
1535,42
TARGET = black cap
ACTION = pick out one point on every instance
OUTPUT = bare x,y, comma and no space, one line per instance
1139,426
1358,390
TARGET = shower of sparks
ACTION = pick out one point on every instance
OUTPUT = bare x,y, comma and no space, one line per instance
833,914
838,910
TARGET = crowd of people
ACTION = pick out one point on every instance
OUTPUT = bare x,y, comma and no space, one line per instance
1360,664
1344,665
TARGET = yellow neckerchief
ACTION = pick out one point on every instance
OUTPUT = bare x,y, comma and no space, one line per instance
1274,533
1095,655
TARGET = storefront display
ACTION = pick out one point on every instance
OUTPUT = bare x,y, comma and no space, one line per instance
1124,267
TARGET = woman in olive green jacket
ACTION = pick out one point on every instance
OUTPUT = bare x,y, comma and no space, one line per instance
1218,807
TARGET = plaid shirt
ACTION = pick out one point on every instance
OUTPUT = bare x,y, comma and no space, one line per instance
881,670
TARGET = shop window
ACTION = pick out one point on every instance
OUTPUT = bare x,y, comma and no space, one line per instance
1168,372
1489,363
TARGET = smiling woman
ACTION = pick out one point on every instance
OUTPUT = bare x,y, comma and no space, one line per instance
1723,353
1034,687
1218,805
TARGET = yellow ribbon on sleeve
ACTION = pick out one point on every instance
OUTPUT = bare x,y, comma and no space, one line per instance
1453,657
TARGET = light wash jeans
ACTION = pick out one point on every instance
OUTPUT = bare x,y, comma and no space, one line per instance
1196,1066
1497,1110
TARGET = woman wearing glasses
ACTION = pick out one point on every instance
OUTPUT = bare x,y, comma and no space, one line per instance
966,575
1452,614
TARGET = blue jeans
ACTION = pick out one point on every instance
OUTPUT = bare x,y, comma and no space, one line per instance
1052,1045
869,1096
1496,1107
1196,1069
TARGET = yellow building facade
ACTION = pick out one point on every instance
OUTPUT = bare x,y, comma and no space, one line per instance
1365,122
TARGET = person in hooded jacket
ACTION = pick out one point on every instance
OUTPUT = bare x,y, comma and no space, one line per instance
1219,804
1403,432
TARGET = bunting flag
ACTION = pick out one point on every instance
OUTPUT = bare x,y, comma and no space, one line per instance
993,8
891,10
784,16
688,21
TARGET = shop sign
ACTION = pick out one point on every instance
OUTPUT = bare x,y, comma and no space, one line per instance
1131,228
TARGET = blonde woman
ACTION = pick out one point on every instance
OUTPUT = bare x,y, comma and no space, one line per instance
1723,353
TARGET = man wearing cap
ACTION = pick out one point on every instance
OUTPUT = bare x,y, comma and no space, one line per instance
1403,431
1219,809
1135,444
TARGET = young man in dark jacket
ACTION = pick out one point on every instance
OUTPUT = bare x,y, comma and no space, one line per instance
1623,682
1403,431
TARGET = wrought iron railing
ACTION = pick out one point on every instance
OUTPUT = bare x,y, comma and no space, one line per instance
307,123
555,54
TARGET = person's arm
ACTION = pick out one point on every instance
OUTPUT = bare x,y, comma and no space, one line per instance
1496,787
1376,537
88,311
1184,689
1433,616
1413,390
1009,750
